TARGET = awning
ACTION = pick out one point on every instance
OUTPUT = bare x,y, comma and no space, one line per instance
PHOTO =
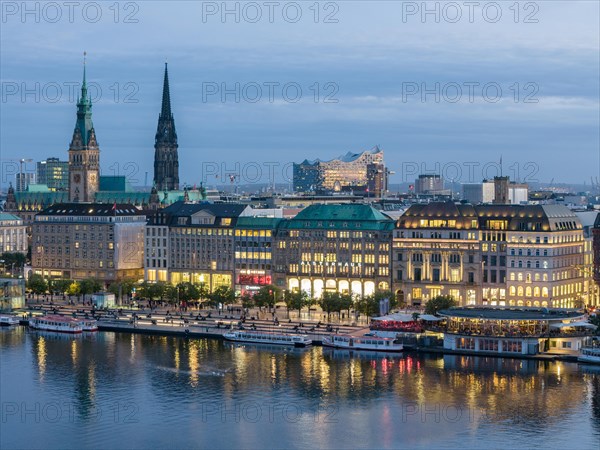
573,324
396,317
430,318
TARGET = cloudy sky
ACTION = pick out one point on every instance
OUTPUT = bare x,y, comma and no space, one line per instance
265,84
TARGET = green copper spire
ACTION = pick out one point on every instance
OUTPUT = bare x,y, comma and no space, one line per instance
84,109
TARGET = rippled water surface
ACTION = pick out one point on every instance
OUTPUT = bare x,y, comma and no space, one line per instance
108,390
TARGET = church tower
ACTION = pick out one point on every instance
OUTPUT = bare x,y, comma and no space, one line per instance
84,153
166,160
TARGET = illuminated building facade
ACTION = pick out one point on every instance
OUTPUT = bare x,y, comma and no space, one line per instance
525,331
253,245
94,240
596,250
515,255
192,242
13,234
364,171
54,173
344,248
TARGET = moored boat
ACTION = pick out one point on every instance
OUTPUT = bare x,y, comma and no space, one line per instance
8,320
372,343
297,340
589,355
88,325
56,323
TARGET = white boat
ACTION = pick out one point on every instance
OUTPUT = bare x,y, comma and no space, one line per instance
61,324
88,325
589,355
7,321
297,340
372,343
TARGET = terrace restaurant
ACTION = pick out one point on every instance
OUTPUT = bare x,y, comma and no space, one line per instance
515,330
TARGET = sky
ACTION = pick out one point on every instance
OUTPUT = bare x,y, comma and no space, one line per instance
442,87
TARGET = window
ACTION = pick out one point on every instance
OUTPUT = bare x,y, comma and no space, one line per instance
417,274
465,343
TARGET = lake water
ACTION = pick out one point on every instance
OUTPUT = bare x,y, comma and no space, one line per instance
110,390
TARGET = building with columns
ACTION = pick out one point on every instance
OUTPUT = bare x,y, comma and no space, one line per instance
343,247
521,255
13,234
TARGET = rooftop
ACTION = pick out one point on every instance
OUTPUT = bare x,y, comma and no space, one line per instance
511,313
6,217
91,209
509,217
347,158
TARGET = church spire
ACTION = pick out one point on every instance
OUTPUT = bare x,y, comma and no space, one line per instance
166,98
166,160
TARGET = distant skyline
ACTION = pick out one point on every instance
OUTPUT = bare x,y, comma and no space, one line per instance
365,67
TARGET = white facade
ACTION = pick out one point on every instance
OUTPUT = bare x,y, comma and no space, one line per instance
13,234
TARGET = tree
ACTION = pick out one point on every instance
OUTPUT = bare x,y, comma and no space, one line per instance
223,295
188,292
368,305
267,296
122,288
37,284
438,303
595,320
247,300
296,300
73,289
89,286
61,286
170,293
346,302
151,291
13,260
329,302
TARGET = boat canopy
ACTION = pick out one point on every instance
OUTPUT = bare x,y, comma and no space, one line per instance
573,324
430,318
396,317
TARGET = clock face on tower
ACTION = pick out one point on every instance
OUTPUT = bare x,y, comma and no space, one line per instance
77,178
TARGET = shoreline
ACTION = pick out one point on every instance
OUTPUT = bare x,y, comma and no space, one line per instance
210,332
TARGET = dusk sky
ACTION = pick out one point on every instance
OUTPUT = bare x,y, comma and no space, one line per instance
370,62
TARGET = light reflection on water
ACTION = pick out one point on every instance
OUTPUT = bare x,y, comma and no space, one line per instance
118,390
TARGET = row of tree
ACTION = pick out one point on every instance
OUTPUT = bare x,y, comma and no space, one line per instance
39,286
265,297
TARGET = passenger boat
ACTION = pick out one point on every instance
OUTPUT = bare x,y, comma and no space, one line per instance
88,325
297,340
7,321
589,355
372,343
61,324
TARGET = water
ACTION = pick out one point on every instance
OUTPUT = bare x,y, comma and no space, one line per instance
109,390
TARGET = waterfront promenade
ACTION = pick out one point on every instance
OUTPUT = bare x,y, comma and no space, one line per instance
194,322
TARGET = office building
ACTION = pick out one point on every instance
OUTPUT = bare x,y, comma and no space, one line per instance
79,241
54,173
515,255
343,248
